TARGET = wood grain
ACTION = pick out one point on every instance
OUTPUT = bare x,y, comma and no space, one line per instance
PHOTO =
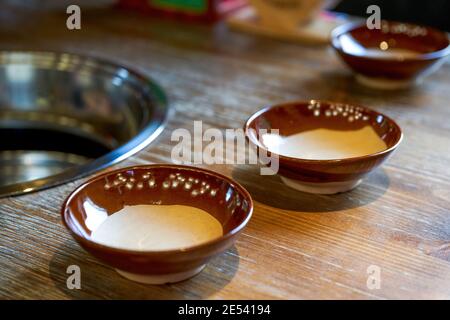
297,246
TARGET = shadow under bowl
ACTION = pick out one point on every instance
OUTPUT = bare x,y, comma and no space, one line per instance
108,193
395,56
322,176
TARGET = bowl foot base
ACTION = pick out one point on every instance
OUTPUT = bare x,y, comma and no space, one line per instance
384,84
321,187
160,278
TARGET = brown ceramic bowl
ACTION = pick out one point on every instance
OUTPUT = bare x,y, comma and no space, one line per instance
323,176
395,56
108,193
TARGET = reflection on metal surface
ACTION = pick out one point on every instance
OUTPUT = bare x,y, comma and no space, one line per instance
63,116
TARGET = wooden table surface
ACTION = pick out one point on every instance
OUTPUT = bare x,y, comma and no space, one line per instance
296,246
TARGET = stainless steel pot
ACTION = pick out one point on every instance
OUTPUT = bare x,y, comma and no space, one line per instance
63,116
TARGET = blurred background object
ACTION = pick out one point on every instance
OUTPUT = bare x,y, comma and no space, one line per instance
207,10
302,21
432,13
58,4
286,14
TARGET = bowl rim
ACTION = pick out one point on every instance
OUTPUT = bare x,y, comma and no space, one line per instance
304,103
348,27
88,242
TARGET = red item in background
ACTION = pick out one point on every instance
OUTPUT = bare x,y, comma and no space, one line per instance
203,10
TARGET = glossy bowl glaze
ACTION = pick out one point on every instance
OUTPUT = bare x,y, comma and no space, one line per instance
108,193
395,56
323,176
